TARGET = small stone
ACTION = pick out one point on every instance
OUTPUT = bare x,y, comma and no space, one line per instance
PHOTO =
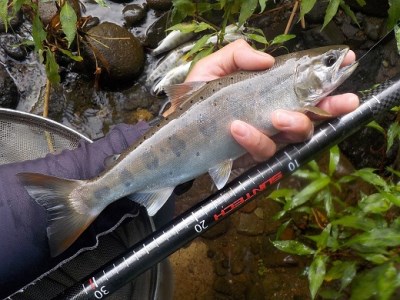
9,95
249,207
133,14
11,45
259,212
159,4
249,224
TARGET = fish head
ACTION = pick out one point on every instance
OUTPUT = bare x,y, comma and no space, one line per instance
320,72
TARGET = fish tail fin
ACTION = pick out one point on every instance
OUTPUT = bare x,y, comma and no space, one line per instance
67,216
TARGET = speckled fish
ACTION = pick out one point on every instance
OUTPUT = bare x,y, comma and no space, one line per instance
192,140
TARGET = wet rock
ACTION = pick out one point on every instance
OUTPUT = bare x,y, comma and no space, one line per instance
376,8
47,11
9,95
249,224
14,23
249,207
317,13
133,14
118,53
159,4
156,31
373,27
91,22
331,35
11,45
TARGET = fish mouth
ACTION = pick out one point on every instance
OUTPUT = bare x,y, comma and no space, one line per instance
341,73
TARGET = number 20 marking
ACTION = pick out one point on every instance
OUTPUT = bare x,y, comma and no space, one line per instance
200,227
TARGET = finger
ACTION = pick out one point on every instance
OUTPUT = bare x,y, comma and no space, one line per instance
294,126
340,104
259,146
349,58
237,55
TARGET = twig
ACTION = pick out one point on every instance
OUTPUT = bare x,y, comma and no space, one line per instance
49,139
289,24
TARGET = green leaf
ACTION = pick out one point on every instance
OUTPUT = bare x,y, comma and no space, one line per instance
394,13
192,27
52,68
38,33
334,157
396,29
313,166
376,258
392,135
293,247
361,2
346,8
182,9
70,55
257,38
247,9
355,221
368,175
4,13
280,39
263,4
286,194
101,3
322,238
304,195
377,237
331,11
68,20
343,270
377,283
306,6
281,228
316,273
375,203
199,45
377,127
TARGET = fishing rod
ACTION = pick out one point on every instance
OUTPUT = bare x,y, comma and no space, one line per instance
235,195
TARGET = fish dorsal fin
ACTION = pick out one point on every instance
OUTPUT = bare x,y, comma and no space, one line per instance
220,173
111,160
153,200
316,111
179,94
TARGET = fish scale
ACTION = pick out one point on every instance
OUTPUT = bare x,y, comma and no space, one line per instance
193,139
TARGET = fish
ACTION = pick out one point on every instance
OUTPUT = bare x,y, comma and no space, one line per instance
192,138
173,76
171,60
174,39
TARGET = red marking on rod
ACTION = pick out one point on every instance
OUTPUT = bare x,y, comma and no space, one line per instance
270,181
92,284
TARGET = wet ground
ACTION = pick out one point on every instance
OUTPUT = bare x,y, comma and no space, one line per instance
235,259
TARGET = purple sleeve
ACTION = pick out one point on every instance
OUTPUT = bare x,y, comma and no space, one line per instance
24,252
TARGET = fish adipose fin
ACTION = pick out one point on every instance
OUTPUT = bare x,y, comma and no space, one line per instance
220,173
316,111
67,217
153,200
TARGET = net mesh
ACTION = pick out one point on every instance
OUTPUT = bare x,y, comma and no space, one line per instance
25,136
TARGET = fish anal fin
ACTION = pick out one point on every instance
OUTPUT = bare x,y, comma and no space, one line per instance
153,200
67,217
220,173
179,94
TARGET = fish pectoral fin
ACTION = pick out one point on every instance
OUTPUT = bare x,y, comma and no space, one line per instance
220,173
65,220
111,160
316,111
179,94
153,200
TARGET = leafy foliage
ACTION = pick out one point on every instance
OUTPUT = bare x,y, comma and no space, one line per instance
355,245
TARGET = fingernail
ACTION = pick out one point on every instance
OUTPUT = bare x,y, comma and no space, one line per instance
284,118
240,129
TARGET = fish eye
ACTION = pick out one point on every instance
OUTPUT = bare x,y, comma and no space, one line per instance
330,61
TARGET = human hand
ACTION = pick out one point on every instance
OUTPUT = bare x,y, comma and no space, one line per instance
293,126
